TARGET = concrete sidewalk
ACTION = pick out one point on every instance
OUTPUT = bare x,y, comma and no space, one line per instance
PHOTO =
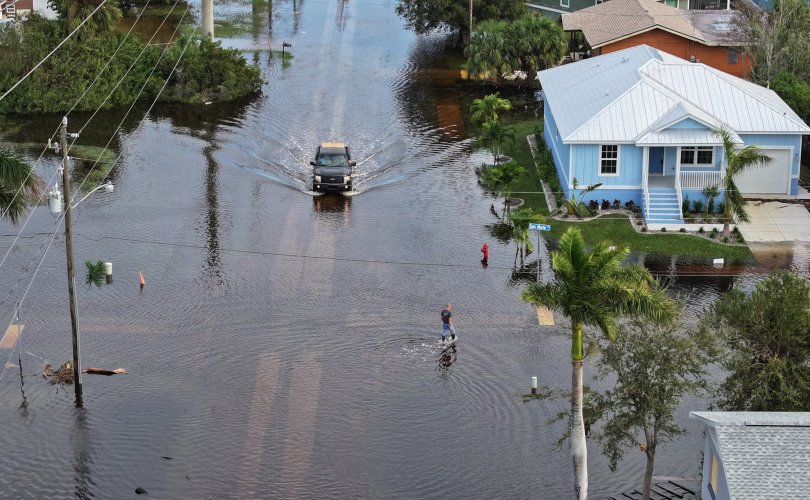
776,221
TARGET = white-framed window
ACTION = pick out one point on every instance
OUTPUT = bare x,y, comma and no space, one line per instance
565,3
11,9
598,2
609,159
700,155
733,55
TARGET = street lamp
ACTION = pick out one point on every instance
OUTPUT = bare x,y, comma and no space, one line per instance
56,202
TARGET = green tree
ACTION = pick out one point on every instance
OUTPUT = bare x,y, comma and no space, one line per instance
593,288
486,109
425,16
73,12
500,178
494,135
19,185
655,367
795,92
529,44
737,162
520,220
767,354
778,40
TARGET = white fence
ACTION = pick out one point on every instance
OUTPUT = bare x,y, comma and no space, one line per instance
700,180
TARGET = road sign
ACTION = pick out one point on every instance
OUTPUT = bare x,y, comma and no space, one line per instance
540,227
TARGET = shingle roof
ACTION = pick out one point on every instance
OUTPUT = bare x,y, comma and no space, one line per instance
617,19
621,95
765,455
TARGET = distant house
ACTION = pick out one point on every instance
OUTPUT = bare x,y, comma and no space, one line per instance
696,35
755,455
10,9
555,8
641,122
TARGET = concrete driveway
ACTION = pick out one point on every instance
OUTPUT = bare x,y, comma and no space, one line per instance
776,221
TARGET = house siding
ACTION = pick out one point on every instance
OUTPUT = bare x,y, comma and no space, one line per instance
688,123
550,8
776,140
716,57
559,151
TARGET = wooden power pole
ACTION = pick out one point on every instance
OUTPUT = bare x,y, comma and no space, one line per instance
74,319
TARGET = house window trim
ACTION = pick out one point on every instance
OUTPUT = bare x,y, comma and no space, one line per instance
714,473
694,150
565,3
733,55
11,9
601,158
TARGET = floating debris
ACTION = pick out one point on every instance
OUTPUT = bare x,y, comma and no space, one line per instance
104,371
62,375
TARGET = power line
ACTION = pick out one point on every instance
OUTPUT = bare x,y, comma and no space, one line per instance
157,96
40,63
86,90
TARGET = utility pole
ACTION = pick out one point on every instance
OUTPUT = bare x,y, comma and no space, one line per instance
74,319
208,18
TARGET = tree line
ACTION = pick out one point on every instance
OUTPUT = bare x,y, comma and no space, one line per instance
206,73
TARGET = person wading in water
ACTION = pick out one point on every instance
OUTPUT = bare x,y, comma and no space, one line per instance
447,323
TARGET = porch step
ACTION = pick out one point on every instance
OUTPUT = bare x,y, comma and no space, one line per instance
663,207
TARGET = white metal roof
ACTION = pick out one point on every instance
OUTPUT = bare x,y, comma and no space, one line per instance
682,137
618,96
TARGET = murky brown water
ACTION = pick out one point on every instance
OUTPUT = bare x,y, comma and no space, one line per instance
285,343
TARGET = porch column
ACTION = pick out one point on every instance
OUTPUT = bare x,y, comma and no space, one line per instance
678,165
645,167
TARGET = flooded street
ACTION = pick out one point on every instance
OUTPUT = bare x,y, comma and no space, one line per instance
285,344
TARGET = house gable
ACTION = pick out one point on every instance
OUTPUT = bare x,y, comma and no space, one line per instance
688,123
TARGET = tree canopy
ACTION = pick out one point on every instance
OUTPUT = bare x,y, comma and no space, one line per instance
529,44
425,16
19,185
768,346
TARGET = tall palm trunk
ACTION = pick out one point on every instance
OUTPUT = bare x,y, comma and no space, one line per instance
579,450
727,222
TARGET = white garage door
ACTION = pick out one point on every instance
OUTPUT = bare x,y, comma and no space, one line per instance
771,178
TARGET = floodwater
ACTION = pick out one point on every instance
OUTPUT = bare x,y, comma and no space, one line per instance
285,344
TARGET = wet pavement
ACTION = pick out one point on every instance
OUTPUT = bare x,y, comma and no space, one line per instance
285,344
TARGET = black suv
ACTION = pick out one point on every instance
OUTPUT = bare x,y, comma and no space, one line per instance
333,168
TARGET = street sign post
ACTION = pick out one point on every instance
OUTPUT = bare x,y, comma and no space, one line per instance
539,227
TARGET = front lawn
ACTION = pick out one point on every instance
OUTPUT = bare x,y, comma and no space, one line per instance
614,228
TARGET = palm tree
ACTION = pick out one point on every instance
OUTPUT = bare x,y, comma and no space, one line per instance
488,54
76,11
486,109
520,220
594,289
19,185
494,134
737,161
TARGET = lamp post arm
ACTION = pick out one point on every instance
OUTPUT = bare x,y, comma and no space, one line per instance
105,185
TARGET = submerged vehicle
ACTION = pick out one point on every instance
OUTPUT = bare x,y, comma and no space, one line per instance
333,168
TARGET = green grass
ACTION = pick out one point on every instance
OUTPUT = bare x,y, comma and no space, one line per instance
616,230
527,187
620,232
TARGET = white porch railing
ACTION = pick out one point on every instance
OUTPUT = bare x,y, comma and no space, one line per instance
680,196
700,180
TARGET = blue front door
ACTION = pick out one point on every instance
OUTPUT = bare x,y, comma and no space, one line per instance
656,161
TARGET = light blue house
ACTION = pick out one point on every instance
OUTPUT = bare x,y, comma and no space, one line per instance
755,455
641,122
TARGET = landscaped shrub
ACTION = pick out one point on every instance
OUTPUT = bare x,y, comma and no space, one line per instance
663,230
617,204
725,239
714,233
630,205
683,229
685,204
710,206
721,207
638,222
594,205
644,229
605,204
700,230
698,206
